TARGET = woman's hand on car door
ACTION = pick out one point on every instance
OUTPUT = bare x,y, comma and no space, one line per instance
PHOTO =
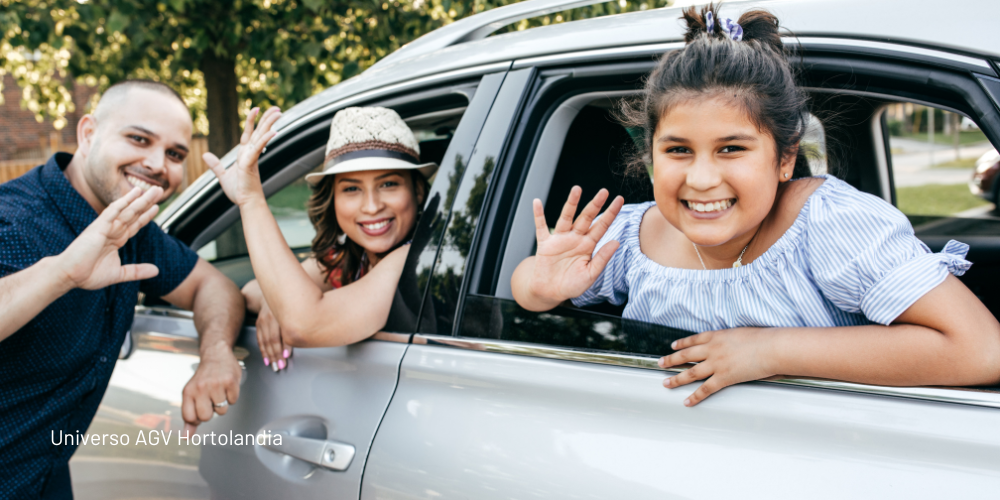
275,352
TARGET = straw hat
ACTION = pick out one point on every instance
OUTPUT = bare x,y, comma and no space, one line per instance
370,138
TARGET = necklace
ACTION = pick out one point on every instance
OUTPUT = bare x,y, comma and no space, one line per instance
739,260
738,263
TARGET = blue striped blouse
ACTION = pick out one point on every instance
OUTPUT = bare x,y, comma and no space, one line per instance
849,258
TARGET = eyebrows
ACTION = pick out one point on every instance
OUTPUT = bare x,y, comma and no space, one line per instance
728,138
153,135
359,181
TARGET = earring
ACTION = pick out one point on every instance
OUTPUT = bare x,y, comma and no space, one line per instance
342,239
786,175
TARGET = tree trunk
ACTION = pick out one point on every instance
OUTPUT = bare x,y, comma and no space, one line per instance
222,103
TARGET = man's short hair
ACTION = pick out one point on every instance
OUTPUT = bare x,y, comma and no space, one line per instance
120,89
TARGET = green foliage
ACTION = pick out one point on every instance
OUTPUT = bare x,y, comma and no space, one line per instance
285,50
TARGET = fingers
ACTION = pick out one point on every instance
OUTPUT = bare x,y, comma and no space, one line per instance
693,340
137,272
258,137
565,221
602,257
714,384
604,222
214,164
541,226
262,344
203,407
248,126
115,208
269,341
711,386
219,397
694,354
134,211
582,224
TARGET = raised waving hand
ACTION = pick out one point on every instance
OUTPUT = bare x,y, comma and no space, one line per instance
565,265
241,183
91,262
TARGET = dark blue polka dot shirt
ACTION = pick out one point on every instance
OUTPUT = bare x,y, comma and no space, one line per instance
54,370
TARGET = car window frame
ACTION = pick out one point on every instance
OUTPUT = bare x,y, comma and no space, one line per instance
491,219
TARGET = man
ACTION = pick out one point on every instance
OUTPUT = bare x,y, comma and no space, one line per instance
75,250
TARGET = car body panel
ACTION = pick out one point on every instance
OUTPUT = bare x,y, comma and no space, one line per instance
468,424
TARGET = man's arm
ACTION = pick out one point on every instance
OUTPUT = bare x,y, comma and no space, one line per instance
90,262
26,293
218,316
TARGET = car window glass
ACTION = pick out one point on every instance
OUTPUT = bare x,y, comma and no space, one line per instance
592,150
289,209
944,171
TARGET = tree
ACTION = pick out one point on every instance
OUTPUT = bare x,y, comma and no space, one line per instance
222,55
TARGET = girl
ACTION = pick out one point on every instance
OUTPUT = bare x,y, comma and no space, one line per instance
805,277
364,206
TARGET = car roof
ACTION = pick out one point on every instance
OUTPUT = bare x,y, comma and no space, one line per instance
960,26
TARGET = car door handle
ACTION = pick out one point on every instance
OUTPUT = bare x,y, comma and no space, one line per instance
332,455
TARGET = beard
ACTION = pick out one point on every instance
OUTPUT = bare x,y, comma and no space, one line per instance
103,181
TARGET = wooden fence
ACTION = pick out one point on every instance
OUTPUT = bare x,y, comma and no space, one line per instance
193,167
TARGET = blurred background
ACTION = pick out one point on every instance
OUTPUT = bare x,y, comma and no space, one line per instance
223,56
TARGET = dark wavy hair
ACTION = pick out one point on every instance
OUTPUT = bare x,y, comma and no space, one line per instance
346,256
754,71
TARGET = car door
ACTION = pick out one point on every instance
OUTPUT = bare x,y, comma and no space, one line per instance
327,404
500,402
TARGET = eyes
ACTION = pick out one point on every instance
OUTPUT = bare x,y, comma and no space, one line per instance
684,150
384,185
175,154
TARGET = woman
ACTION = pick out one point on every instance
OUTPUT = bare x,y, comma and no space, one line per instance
365,204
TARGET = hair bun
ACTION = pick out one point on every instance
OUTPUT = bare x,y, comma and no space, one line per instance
759,25
696,23
762,26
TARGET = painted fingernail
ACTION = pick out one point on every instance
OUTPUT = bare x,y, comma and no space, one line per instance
267,361
286,354
687,402
673,345
281,364
274,366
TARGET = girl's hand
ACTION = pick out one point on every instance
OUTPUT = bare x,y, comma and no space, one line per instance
274,351
565,263
724,357
241,183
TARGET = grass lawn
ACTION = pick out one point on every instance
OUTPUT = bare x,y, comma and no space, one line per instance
937,199
964,137
963,163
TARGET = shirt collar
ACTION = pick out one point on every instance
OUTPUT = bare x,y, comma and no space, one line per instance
77,212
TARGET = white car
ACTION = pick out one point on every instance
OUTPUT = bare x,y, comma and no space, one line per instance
466,395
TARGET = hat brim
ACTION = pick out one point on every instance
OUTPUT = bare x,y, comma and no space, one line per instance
372,163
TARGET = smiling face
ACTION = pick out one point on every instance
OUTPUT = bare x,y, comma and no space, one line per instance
377,208
137,139
715,175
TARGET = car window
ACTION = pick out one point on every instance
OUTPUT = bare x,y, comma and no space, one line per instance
433,131
581,143
943,170
289,208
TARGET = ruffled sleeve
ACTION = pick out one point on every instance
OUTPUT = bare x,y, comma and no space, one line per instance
865,257
611,285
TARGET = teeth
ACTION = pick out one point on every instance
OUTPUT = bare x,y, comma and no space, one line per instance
141,184
376,226
710,207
